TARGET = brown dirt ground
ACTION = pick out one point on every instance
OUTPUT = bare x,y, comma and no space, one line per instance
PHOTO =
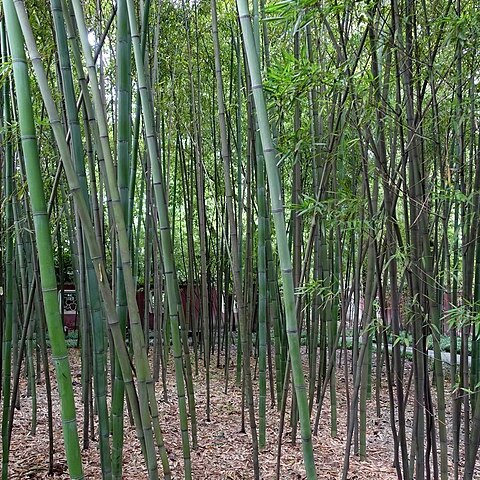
224,452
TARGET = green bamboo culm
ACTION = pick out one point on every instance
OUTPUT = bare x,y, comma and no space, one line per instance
123,101
44,243
111,466
97,319
281,235
261,263
89,233
146,394
243,362
7,327
165,234
262,301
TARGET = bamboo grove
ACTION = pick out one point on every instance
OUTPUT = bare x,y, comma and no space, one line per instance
295,188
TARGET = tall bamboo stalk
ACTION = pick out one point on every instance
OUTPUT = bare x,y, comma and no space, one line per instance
9,267
281,235
90,234
44,244
165,232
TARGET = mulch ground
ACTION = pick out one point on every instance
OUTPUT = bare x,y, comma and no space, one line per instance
224,451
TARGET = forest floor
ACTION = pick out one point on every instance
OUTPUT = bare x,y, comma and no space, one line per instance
224,451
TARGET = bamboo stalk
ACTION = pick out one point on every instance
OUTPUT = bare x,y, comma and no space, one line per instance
281,235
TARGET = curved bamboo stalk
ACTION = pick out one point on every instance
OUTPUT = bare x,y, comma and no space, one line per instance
281,235
45,251
95,305
90,234
147,401
165,233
